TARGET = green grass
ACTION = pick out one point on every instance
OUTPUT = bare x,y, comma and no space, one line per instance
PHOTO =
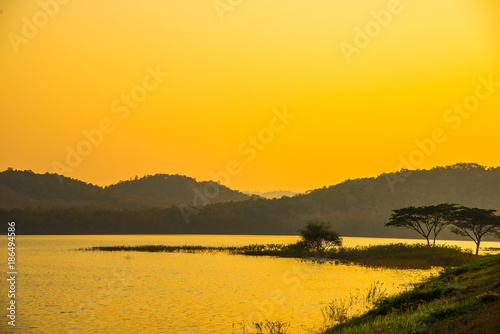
459,300
402,255
415,256
341,310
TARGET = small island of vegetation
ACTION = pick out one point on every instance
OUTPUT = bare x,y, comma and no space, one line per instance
320,242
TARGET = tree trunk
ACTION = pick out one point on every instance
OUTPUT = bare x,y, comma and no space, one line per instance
477,246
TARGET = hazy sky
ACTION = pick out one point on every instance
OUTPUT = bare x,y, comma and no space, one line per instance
280,94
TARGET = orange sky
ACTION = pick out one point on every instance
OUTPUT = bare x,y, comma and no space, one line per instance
268,95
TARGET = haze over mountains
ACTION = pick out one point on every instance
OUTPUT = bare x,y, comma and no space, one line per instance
357,207
272,194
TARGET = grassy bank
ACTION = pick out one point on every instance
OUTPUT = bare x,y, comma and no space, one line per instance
415,256
405,256
460,300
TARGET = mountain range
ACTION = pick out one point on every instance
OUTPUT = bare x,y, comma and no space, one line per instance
178,204
25,189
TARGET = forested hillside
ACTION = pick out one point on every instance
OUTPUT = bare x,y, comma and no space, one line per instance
166,190
358,207
25,189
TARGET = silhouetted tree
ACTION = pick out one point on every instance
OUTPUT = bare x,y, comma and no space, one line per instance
427,221
476,223
319,235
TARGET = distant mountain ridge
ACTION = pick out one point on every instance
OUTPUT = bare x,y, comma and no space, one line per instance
272,194
357,207
23,189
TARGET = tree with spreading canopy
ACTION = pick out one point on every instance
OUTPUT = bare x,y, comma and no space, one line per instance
475,223
428,221
319,235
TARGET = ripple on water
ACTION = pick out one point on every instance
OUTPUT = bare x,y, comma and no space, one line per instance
109,292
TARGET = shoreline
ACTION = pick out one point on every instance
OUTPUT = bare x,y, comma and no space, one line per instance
464,299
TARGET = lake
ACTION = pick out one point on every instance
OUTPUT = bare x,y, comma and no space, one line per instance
63,290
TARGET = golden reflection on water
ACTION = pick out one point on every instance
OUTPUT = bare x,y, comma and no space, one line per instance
61,290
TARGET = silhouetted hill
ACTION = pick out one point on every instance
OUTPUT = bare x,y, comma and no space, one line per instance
165,190
25,189
358,207
361,207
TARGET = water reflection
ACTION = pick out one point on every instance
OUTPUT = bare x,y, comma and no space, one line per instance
66,291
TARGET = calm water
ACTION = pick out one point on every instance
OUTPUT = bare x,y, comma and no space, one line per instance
61,290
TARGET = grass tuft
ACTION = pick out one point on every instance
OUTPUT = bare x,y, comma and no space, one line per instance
266,327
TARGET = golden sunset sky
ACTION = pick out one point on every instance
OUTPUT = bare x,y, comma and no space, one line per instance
284,94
